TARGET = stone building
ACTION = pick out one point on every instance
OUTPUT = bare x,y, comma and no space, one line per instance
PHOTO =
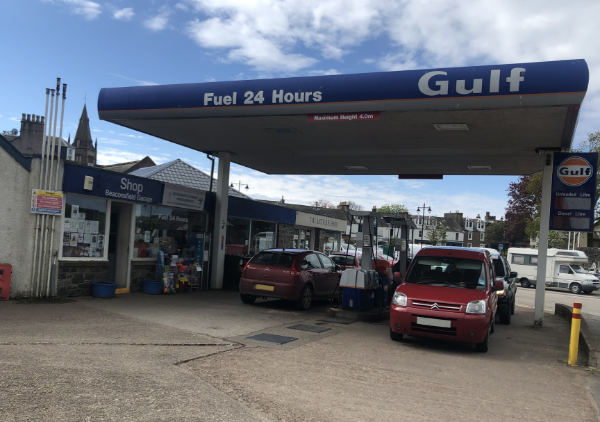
85,150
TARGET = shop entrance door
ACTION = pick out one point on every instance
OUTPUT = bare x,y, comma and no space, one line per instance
118,244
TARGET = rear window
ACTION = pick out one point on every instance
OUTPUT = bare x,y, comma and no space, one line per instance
343,259
275,259
448,272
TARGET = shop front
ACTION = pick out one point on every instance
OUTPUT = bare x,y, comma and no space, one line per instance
313,232
115,224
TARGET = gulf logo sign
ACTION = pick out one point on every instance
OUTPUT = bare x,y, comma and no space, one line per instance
575,171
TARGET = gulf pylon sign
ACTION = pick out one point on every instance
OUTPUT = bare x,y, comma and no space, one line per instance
573,191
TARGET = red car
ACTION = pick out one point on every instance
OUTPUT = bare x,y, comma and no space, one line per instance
290,274
352,260
447,293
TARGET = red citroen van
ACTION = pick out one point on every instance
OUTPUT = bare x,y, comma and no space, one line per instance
447,293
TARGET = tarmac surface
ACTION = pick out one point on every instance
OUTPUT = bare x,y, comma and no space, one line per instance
188,357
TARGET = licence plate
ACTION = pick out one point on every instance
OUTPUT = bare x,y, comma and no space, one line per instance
264,287
432,322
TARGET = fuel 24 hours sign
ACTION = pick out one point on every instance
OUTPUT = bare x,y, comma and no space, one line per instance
573,191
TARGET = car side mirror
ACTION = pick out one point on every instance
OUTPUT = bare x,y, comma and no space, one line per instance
513,274
338,268
499,285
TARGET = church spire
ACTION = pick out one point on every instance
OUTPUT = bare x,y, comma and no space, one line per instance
83,134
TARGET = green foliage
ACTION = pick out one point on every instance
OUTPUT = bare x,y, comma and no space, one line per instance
437,234
392,209
592,144
495,232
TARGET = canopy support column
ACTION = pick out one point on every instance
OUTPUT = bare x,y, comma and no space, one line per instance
220,230
540,288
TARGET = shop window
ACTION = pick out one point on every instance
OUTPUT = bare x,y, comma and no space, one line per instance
238,235
171,230
263,236
328,241
84,227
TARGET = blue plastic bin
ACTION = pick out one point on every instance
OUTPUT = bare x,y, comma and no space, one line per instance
152,287
103,290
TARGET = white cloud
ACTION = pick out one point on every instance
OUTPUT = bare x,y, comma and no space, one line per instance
113,156
138,81
112,141
182,6
158,22
124,14
15,119
88,9
324,72
96,130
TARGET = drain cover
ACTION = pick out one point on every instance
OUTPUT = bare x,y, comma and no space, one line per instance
344,321
311,328
272,338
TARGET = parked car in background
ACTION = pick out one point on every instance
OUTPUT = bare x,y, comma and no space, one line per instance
447,293
506,297
353,260
290,274
563,269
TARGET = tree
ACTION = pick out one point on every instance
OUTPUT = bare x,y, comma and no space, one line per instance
437,234
495,232
555,240
324,203
354,206
392,209
6,132
523,199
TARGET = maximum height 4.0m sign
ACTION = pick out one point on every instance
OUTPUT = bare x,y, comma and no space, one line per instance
573,191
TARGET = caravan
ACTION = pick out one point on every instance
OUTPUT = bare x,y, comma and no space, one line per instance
563,269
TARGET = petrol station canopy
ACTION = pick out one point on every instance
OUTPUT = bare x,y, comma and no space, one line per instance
489,120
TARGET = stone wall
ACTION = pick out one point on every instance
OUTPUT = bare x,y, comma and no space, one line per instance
141,271
74,278
285,236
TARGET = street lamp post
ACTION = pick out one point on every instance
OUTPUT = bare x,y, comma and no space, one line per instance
239,186
423,223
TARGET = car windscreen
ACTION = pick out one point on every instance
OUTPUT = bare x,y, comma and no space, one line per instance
276,259
448,272
498,267
578,269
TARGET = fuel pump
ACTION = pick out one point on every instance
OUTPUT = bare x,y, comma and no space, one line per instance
400,225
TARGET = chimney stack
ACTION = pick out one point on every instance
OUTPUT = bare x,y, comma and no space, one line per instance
42,119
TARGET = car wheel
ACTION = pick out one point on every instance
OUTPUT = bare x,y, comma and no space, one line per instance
483,346
395,336
575,288
249,299
587,292
505,317
525,283
305,299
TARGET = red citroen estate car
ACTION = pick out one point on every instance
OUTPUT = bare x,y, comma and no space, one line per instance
447,293
291,274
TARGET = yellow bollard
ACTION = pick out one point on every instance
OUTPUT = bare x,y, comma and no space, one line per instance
575,326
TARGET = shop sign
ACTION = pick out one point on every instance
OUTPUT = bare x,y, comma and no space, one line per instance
573,191
320,221
182,197
111,185
46,202
342,117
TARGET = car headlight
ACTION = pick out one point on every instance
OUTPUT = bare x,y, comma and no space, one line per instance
501,292
399,299
476,307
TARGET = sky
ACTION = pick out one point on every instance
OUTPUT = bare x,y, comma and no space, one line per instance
97,44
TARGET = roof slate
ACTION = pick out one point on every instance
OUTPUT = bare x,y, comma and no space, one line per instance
180,173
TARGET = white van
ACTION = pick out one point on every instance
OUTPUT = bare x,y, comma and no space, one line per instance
563,269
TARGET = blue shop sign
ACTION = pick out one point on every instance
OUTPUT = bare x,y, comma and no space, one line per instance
111,185
573,191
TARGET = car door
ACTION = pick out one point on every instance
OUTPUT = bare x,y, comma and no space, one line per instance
512,282
313,266
331,276
563,277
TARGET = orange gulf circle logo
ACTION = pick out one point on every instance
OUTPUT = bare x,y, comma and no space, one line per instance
574,171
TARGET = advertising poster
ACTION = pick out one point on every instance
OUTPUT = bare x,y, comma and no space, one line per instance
74,238
80,226
573,192
75,212
67,225
88,226
95,225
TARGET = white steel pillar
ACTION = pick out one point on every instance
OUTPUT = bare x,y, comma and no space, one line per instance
540,288
220,232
